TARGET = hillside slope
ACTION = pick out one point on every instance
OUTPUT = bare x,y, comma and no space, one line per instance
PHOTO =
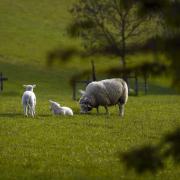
29,29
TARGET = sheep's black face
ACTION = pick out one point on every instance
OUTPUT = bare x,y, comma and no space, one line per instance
85,105
85,108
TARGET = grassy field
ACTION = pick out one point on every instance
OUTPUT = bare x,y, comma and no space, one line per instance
83,146
78,147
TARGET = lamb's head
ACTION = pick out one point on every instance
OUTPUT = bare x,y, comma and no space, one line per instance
54,105
85,104
29,87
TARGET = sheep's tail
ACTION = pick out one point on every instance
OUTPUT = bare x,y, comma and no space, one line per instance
125,92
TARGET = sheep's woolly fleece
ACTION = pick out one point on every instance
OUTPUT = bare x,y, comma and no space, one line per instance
105,93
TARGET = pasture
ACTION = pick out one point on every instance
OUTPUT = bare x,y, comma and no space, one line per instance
83,146
78,147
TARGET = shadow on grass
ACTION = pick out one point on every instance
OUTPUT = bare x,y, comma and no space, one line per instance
151,158
92,125
11,94
11,115
44,115
21,115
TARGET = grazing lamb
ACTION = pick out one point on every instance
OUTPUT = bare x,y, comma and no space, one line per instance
58,110
105,93
29,100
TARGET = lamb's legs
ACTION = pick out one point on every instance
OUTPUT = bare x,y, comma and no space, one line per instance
29,110
32,111
25,111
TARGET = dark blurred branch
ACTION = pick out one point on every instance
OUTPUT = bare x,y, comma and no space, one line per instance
143,159
79,76
173,150
169,45
152,158
144,69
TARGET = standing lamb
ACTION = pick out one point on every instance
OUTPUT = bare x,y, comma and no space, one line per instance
29,100
57,109
105,93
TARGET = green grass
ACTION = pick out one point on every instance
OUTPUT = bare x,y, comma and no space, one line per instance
83,146
29,29
78,147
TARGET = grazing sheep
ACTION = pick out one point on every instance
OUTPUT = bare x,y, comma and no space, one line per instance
29,100
58,110
105,93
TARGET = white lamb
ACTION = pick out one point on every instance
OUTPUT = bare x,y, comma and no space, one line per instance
29,100
58,110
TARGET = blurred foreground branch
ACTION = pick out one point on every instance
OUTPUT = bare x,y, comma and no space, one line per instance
150,158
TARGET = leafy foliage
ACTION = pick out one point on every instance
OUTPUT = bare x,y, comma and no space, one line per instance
168,40
109,26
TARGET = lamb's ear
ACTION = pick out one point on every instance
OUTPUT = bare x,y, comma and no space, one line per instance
33,85
82,92
24,85
50,101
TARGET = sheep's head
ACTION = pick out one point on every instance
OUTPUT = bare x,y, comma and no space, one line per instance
85,104
54,105
29,87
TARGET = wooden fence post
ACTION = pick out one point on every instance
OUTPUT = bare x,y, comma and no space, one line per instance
1,81
145,83
74,90
136,85
93,71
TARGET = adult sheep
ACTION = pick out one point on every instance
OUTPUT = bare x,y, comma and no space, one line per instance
105,93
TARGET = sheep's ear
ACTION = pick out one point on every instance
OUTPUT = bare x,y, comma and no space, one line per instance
89,106
59,105
50,101
25,86
82,92
33,85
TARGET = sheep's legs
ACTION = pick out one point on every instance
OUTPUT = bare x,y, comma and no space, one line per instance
106,108
26,111
97,109
121,110
29,110
32,111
